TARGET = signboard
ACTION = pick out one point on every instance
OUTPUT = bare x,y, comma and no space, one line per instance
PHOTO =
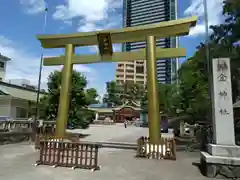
223,123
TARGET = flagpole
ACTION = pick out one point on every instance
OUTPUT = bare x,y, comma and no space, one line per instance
40,69
209,61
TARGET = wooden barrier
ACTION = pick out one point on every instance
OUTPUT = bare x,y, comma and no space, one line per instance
69,154
12,124
50,135
9,125
166,149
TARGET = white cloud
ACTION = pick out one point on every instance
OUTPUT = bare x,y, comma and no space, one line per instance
91,14
214,14
24,65
33,6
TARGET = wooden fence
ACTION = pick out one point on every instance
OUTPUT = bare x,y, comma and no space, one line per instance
50,136
21,130
69,154
12,124
166,149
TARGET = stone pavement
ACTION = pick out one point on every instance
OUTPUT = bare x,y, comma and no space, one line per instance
17,162
112,132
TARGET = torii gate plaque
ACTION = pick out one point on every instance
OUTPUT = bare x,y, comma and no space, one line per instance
104,40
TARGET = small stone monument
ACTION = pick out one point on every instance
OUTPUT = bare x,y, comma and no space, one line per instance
223,156
182,128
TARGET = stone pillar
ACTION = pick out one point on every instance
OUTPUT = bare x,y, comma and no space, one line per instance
191,131
222,103
182,128
96,116
223,153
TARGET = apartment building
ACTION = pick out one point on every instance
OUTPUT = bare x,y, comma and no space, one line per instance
142,12
134,71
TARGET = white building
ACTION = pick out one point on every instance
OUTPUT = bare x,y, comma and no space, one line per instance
3,65
19,82
17,97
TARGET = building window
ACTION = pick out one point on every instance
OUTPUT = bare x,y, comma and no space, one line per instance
1,64
21,112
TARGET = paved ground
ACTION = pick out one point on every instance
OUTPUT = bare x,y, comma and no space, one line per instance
17,162
114,133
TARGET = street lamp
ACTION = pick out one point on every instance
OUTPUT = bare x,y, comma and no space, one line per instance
40,68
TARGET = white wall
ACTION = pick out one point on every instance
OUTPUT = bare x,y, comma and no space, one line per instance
5,107
18,103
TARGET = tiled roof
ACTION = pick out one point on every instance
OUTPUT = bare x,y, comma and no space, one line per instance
4,57
98,106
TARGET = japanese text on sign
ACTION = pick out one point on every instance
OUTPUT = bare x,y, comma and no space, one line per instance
221,67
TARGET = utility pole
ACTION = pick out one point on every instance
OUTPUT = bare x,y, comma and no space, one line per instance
40,73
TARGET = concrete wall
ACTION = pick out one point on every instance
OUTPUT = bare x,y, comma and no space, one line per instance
5,107
2,74
8,107
18,103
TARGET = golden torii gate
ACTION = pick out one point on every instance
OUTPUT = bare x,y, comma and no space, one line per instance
104,40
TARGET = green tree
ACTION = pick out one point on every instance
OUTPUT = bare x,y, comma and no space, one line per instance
131,92
165,94
119,94
112,98
78,116
193,98
92,95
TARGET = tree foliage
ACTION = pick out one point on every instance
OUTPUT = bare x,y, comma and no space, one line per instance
78,116
119,94
165,94
192,97
92,96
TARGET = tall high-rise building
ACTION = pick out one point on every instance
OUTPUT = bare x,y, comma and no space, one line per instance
142,12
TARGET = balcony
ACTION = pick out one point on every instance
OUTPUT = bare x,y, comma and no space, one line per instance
120,66
119,76
130,72
139,78
129,67
120,70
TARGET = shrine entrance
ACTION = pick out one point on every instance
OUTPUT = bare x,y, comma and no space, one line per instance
126,113
105,40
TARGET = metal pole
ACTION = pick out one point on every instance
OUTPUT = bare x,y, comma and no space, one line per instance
40,70
177,45
209,62
64,97
152,91
206,30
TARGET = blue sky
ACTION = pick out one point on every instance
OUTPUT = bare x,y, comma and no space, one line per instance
21,20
